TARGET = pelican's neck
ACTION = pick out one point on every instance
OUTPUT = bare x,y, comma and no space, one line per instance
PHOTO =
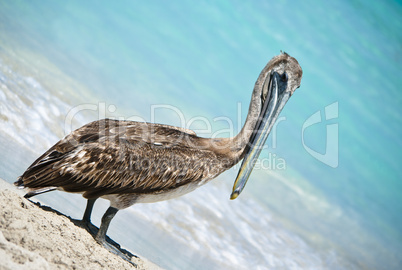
240,141
235,148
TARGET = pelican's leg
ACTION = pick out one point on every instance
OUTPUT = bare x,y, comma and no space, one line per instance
107,217
86,219
101,236
88,210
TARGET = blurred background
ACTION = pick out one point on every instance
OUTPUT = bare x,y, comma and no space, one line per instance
327,193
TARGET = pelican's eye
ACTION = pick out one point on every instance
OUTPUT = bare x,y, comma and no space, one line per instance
284,77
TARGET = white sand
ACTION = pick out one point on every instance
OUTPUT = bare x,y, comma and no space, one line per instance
34,237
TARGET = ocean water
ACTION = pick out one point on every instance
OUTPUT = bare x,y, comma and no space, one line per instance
326,193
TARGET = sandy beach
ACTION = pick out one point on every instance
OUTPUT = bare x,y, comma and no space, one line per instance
34,236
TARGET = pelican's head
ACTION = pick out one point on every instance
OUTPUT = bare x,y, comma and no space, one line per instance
289,70
276,83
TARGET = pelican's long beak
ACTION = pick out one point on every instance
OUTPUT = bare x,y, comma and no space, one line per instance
276,99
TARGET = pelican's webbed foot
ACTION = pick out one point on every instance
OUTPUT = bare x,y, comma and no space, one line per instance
124,254
108,243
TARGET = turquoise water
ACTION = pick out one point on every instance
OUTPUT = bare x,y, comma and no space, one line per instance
202,59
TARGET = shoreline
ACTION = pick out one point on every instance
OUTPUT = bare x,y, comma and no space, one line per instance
35,236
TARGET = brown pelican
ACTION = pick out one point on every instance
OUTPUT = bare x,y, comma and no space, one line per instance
129,162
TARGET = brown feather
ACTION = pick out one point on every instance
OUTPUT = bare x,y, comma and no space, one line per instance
116,157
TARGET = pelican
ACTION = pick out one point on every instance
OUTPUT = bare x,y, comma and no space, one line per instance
129,162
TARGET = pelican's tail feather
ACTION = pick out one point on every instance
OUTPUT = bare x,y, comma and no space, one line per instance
34,192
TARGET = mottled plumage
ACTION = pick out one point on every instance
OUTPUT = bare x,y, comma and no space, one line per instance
124,157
